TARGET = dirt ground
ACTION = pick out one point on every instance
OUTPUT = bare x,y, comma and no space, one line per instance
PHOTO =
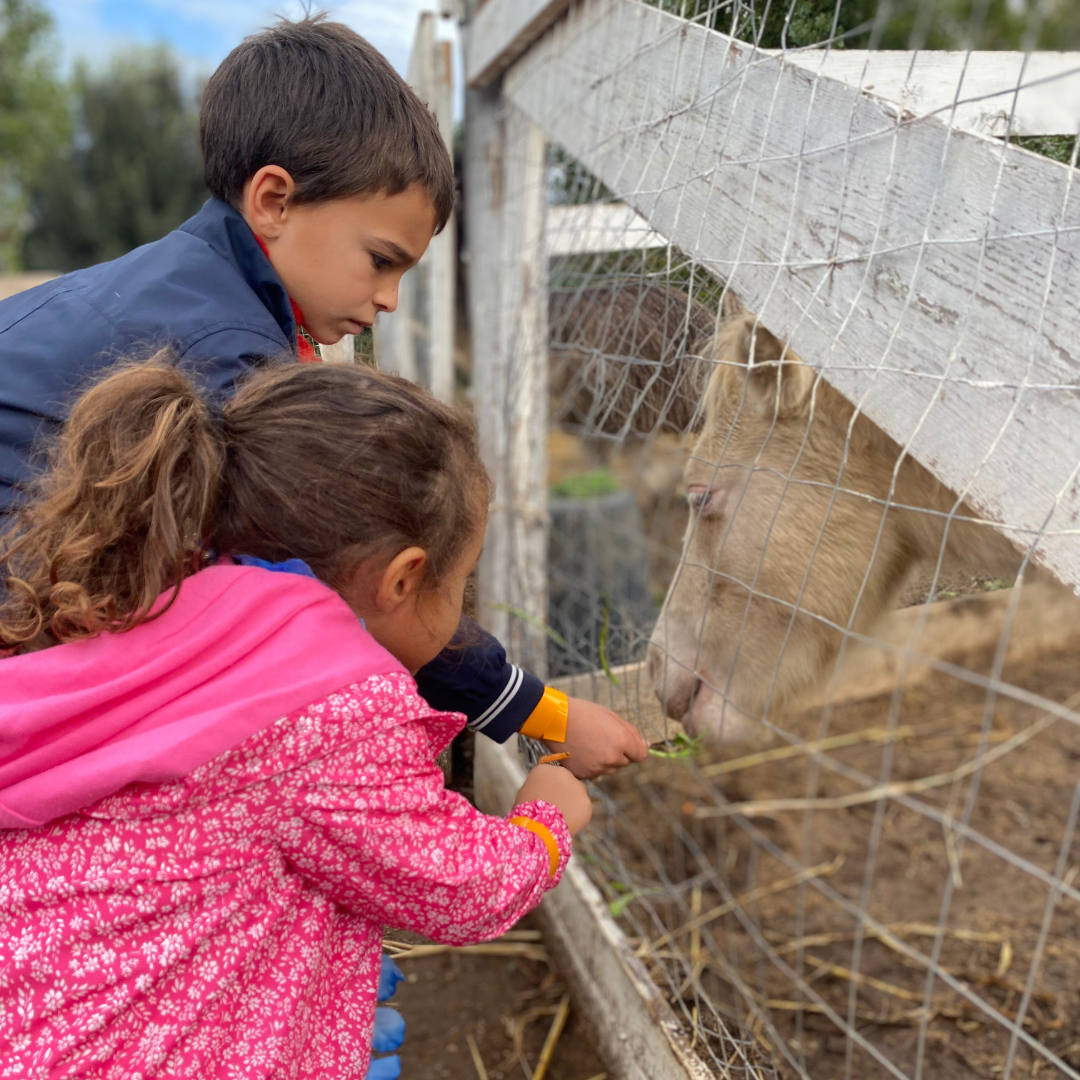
655,840
506,1003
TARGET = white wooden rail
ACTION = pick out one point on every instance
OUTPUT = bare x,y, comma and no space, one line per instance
417,340
500,32
639,1035
591,228
989,93
931,273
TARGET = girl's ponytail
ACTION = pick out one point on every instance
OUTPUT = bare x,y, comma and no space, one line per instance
121,515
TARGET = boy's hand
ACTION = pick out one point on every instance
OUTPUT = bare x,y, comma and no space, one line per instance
600,741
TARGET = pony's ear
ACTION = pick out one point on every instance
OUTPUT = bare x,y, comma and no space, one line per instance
778,383
731,305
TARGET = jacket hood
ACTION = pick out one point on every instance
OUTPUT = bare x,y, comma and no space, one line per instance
239,648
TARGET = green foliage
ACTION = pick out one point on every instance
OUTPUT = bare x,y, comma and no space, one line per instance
681,746
33,115
1059,147
587,485
569,182
891,24
130,173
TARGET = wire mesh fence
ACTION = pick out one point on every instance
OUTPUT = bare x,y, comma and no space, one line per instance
810,443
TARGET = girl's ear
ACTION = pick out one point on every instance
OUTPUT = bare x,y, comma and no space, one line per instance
401,580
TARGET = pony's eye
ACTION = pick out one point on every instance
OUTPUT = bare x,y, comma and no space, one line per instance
705,500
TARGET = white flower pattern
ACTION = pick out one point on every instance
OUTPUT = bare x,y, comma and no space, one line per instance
228,924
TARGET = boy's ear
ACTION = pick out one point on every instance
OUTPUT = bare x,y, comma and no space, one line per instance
402,579
266,201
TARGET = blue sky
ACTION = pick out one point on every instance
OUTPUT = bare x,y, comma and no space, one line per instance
203,31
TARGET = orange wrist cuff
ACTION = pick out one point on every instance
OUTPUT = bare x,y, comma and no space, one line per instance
548,719
545,834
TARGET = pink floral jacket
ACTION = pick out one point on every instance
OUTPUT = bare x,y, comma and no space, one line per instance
228,923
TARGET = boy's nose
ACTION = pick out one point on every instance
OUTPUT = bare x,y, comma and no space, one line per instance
386,299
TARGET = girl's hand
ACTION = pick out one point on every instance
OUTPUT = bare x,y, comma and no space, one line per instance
600,742
558,786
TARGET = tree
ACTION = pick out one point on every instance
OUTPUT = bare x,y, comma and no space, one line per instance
33,115
131,171
892,24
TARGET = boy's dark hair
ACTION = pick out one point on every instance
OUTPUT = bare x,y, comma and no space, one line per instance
317,99
329,463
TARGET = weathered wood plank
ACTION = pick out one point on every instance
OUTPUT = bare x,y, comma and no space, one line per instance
483,190
989,93
523,345
434,82
638,1034
417,340
505,195
596,227
501,30
973,91
930,274
341,352
1045,618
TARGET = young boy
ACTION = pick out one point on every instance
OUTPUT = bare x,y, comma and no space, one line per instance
329,179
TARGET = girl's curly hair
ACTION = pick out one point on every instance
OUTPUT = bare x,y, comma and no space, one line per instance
326,463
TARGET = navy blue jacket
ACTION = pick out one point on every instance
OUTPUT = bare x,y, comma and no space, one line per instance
208,291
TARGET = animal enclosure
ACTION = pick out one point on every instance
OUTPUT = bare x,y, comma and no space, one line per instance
774,332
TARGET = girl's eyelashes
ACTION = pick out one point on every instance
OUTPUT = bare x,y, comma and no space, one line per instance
380,262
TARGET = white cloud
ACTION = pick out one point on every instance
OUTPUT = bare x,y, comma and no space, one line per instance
85,31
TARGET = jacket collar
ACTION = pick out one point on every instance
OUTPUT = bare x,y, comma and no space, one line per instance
225,230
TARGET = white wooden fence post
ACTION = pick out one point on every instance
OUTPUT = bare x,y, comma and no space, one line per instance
483,190
417,340
524,342
442,255
505,199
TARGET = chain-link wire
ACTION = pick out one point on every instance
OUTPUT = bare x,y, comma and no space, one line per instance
813,383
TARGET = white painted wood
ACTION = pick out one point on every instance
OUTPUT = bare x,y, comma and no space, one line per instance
508,323
973,91
523,343
443,256
483,194
434,288
983,85
417,340
596,227
501,30
341,352
931,274
910,640
396,333
638,1034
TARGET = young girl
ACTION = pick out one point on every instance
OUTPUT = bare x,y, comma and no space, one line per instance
217,781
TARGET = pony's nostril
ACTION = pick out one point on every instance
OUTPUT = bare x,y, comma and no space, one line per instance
681,699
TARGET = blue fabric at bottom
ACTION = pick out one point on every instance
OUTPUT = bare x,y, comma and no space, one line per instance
389,1032
387,1068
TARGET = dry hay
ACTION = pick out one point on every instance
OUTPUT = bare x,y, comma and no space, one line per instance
741,877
